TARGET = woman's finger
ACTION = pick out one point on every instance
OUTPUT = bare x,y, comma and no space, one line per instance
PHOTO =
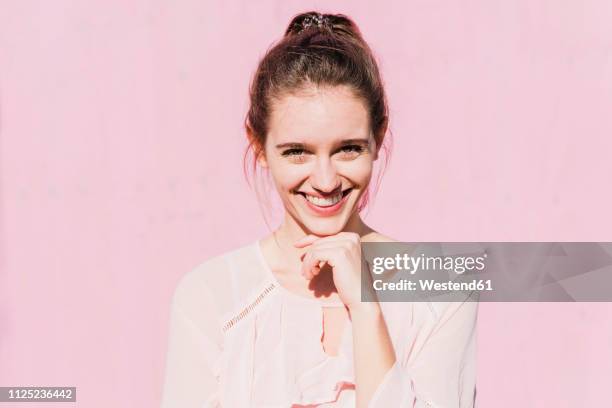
315,259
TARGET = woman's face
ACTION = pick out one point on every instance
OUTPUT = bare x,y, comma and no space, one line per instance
320,152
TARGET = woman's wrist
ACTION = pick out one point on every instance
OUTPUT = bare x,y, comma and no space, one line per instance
364,309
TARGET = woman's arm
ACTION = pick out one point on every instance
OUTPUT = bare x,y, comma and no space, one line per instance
194,343
440,372
372,348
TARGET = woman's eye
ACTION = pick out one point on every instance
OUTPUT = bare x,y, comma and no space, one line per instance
297,154
351,149
293,152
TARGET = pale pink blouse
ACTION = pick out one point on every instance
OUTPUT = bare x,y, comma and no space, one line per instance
240,339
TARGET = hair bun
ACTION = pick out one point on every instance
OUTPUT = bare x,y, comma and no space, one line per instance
334,23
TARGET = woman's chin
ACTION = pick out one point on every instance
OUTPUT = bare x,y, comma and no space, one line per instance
324,226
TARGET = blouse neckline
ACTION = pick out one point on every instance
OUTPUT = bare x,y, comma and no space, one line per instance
284,290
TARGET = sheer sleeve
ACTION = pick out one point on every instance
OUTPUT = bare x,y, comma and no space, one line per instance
443,373
194,341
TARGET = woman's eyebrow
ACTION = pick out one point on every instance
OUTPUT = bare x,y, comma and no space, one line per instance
292,145
355,141
297,145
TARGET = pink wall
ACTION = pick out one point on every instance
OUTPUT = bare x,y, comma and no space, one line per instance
120,155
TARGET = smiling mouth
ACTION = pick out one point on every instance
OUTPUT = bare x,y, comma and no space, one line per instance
326,201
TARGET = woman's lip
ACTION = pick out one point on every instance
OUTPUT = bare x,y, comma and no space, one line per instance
327,211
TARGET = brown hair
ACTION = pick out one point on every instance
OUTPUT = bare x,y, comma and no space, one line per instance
316,50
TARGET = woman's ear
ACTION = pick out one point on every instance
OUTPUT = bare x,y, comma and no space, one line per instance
261,158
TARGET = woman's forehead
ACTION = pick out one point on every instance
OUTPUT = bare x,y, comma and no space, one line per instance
321,115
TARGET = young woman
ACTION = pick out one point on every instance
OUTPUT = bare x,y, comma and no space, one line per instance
280,322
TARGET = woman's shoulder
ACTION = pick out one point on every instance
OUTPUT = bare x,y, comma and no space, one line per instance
221,279
375,236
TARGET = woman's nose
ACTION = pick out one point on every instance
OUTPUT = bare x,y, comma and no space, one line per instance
325,177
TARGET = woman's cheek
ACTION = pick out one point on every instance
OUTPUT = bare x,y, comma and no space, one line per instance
358,171
288,178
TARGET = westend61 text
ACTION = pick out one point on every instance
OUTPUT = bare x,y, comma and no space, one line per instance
432,285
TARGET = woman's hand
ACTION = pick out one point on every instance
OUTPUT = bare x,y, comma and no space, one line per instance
343,254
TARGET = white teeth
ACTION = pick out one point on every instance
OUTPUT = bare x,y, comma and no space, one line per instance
324,202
